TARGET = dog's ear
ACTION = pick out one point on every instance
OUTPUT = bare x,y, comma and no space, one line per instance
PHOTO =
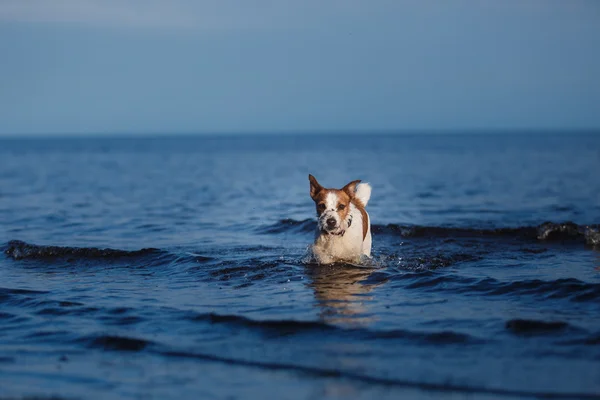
315,187
350,188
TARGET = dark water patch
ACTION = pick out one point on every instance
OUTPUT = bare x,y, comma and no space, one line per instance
435,261
282,327
593,340
434,338
200,259
78,311
36,300
47,335
25,298
6,316
118,343
326,330
120,310
319,372
122,321
417,231
548,231
249,270
567,288
8,292
532,327
434,281
290,225
121,316
19,250
254,249
534,251
69,304
431,279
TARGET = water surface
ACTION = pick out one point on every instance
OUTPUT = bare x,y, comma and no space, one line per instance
174,267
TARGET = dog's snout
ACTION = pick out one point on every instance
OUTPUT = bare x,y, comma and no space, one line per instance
330,222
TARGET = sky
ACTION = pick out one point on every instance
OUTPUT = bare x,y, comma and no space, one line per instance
185,66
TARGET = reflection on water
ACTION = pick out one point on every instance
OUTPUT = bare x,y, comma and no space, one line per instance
341,293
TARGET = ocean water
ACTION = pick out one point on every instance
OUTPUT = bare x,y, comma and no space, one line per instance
175,267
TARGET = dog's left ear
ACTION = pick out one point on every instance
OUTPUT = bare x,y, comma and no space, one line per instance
315,187
350,188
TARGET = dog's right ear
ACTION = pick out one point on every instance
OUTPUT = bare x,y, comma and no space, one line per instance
315,187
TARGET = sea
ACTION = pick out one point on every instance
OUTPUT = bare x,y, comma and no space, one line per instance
176,267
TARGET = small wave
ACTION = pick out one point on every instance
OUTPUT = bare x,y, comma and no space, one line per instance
19,250
548,231
36,300
567,288
9,292
593,340
283,326
293,327
323,372
528,326
119,343
290,225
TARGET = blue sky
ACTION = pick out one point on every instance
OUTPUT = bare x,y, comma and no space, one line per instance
149,66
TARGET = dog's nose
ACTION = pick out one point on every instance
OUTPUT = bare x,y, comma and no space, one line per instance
330,222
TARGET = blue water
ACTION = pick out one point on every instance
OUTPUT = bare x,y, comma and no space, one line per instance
174,267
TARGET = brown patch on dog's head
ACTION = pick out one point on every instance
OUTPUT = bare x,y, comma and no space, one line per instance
350,188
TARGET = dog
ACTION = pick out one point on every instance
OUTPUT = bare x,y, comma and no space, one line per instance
344,229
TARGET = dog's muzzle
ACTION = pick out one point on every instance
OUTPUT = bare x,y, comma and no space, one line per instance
330,224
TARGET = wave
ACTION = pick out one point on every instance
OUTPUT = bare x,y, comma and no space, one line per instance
290,327
19,250
119,343
290,225
529,326
548,231
566,288
324,372
133,344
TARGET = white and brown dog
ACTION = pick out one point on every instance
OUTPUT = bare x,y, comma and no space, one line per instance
344,229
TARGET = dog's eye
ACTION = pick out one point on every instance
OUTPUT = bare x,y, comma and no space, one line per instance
321,206
341,207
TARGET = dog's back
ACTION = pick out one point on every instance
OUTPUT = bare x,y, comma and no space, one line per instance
363,194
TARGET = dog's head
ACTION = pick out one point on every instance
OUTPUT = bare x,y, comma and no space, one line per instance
333,206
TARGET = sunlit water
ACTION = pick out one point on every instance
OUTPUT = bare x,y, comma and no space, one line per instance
175,268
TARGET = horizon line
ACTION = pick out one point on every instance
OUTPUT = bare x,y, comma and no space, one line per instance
230,133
